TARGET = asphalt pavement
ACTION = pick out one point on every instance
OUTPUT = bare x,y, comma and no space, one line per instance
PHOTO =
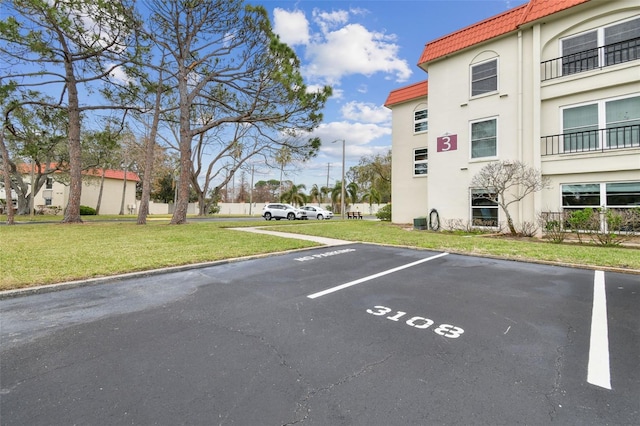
345,334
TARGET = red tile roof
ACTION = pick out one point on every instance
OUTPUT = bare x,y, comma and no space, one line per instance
404,94
113,174
25,168
493,27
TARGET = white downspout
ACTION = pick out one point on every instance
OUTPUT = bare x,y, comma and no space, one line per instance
536,113
520,112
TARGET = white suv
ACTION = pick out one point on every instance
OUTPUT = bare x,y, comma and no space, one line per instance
282,211
317,212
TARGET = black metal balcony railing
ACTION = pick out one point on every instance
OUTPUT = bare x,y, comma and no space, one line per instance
592,140
617,53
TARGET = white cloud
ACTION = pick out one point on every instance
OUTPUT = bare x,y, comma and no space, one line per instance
328,20
118,74
292,27
353,49
354,133
366,112
339,48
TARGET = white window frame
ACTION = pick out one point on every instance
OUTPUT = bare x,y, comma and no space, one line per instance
420,162
600,42
602,201
419,122
602,118
481,120
471,81
495,207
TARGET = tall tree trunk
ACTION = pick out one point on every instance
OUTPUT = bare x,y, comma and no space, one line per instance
100,192
182,203
72,211
149,147
7,179
124,191
201,204
149,152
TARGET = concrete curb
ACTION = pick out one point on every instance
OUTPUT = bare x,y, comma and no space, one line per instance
19,292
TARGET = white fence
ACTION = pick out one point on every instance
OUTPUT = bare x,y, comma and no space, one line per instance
249,209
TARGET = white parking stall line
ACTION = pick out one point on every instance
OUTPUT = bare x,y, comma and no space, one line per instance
598,368
371,277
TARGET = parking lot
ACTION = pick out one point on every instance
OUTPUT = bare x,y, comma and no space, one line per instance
354,334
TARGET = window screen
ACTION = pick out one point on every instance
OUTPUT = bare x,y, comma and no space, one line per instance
484,139
580,53
580,128
484,78
420,161
622,42
420,121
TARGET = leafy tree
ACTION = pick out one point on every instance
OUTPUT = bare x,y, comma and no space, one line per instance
34,140
373,172
223,56
511,182
98,152
266,190
164,190
70,46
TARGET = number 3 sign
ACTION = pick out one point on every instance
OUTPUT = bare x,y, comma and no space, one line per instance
447,143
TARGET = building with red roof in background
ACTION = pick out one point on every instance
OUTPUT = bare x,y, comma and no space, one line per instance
110,186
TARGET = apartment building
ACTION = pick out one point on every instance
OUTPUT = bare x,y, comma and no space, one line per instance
108,186
552,83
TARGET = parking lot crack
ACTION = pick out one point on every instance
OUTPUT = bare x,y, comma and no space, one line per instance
303,410
554,396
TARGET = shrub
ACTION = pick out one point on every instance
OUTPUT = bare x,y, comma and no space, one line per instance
527,229
384,213
87,211
553,225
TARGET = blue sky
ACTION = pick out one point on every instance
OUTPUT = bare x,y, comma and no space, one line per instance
363,49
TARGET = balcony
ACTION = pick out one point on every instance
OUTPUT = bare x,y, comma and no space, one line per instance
617,53
592,140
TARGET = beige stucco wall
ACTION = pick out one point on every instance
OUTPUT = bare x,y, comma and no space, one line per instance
111,195
526,110
452,110
408,192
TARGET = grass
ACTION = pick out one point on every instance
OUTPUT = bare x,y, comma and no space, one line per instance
36,254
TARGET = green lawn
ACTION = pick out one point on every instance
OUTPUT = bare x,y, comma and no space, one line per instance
36,254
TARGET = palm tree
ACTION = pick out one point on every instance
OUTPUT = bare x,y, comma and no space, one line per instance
352,190
314,194
372,196
294,196
336,194
283,157
324,191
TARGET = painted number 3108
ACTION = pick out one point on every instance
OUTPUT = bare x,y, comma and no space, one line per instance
445,330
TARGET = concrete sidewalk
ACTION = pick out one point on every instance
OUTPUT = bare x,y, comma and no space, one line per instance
321,240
